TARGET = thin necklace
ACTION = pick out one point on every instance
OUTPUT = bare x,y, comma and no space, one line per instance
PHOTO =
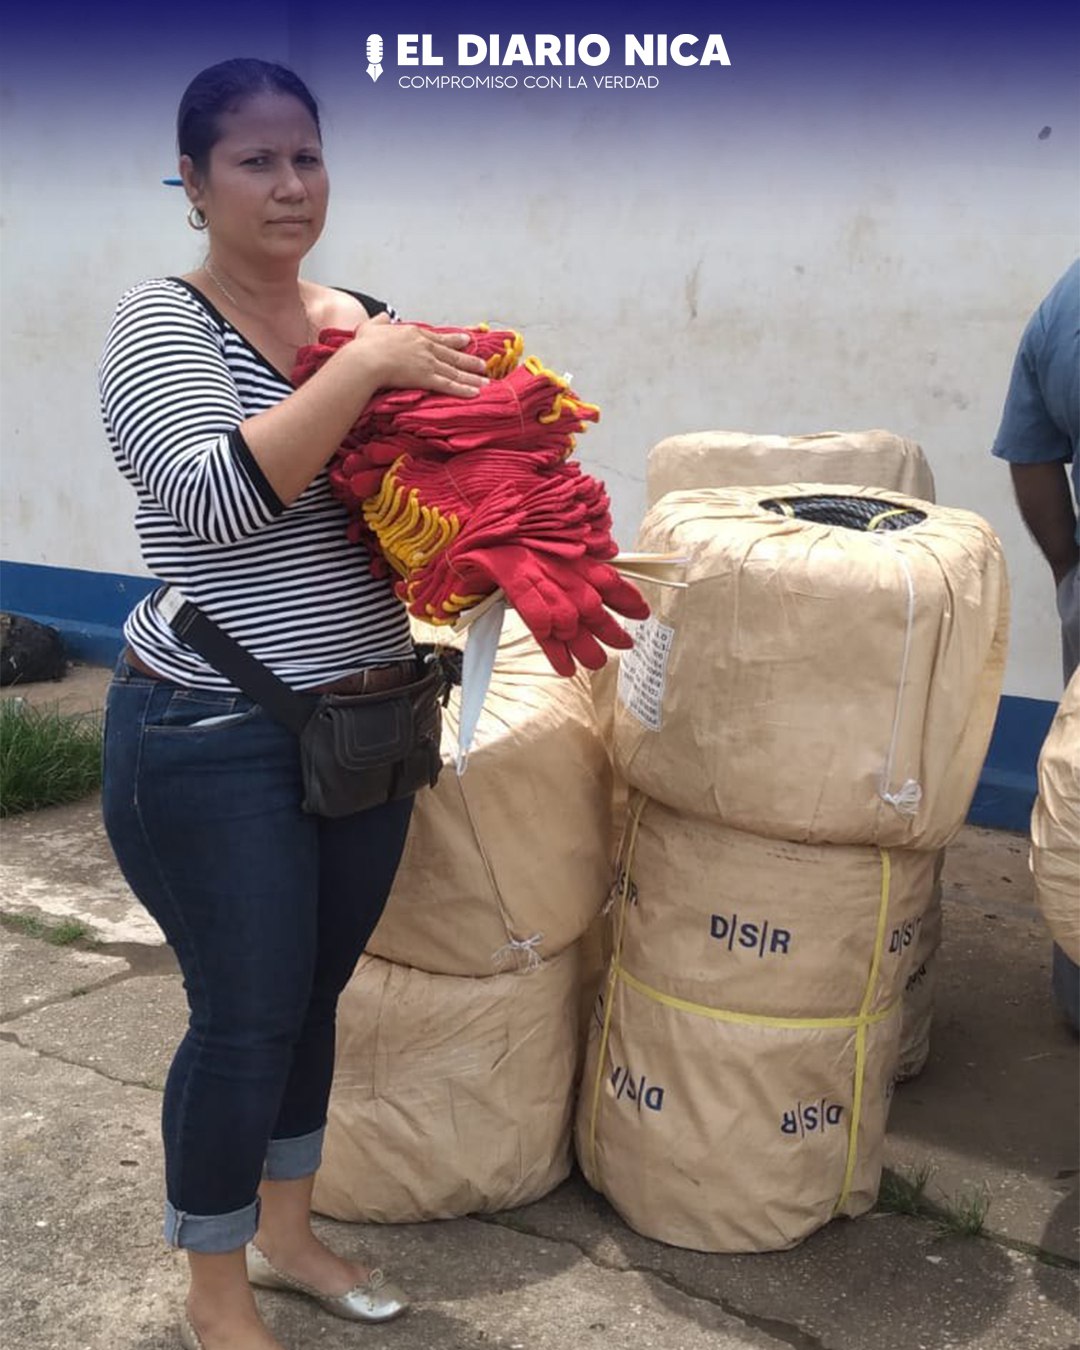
309,333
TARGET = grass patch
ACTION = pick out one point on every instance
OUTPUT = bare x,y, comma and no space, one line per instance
962,1215
46,757
61,932
905,1193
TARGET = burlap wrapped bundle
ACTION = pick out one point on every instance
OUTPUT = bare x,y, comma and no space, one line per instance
510,862
731,1135
595,953
451,1096
710,459
774,928
740,1061
917,1000
815,682
1055,825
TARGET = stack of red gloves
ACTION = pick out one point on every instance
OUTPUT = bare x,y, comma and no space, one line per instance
360,462
464,496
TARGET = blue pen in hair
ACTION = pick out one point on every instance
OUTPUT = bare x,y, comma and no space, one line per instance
173,182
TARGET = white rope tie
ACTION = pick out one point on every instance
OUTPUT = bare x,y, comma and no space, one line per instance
508,957
906,799
908,796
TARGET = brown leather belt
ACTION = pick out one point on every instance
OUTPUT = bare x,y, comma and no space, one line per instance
370,680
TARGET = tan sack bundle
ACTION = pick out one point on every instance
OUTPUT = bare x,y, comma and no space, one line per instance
917,1006
595,949
731,1135
1055,825
707,459
451,1096
510,862
917,1000
732,1101
772,928
816,681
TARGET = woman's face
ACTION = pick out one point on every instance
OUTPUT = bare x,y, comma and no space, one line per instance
266,189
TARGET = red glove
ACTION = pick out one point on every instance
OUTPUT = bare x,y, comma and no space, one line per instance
500,348
583,648
561,600
315,354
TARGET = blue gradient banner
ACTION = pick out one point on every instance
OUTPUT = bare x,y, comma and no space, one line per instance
671,52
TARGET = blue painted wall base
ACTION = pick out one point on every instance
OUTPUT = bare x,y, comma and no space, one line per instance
89,608
1008,783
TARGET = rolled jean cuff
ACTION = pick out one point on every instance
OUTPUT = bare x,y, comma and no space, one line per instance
211,1233
288,1159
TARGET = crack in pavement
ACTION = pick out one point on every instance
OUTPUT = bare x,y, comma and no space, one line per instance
11,1038
143,960
118,978
787,1333
1040,1254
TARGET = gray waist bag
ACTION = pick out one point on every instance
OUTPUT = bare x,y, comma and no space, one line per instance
356,750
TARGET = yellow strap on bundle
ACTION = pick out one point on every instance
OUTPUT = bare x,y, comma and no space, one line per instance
860,1021
875,521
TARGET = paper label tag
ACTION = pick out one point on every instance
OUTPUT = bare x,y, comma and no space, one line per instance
643,672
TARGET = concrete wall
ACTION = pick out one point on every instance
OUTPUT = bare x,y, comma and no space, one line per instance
770,254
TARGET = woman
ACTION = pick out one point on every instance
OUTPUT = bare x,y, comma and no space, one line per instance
267,909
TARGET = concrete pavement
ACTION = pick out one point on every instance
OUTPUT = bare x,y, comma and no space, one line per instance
87,1030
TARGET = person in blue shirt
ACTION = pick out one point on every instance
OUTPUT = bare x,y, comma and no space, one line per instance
1039,436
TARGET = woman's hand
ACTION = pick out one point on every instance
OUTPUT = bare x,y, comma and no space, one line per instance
293,440
402,356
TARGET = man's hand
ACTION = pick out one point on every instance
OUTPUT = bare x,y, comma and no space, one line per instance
1046,506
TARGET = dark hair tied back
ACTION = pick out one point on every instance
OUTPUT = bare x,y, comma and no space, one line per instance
217,89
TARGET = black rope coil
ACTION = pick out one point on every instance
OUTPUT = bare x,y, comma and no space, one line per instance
868,514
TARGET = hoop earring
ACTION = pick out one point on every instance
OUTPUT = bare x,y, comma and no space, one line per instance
196,218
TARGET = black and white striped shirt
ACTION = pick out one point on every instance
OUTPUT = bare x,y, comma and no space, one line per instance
176,381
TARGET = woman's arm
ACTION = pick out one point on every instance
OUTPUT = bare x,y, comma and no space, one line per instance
178,429
292,441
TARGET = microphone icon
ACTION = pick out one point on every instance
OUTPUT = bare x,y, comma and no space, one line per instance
374,55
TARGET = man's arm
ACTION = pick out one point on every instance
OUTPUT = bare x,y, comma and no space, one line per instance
1046,506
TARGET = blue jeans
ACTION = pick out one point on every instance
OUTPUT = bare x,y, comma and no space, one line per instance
268,911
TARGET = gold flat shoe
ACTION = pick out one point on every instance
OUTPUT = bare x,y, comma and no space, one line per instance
189,1337
376,1300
